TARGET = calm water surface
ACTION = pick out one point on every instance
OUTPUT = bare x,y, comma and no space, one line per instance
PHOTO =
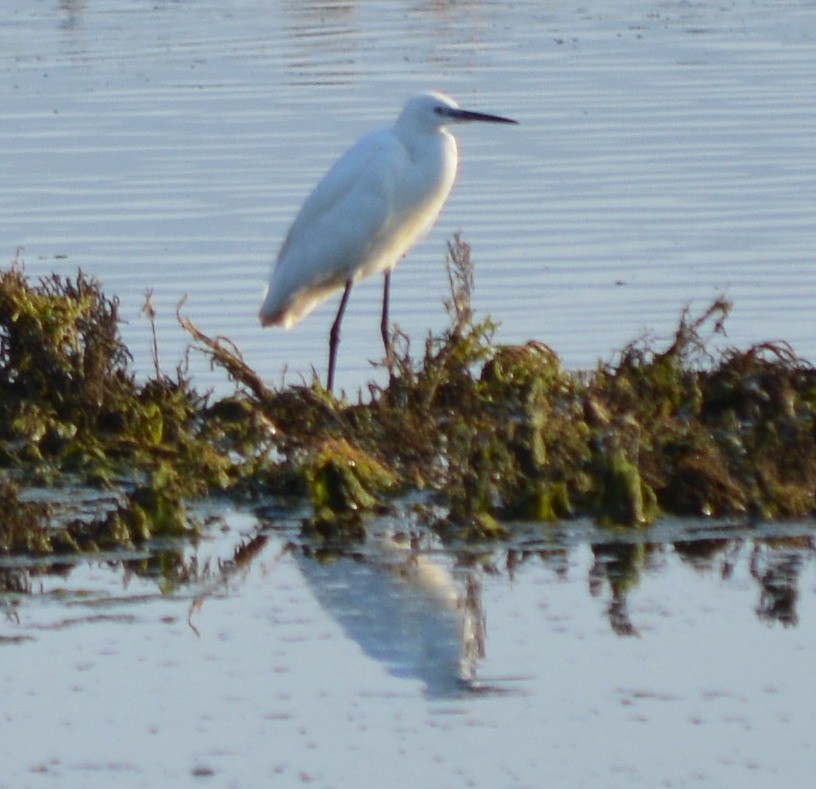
573,657
666,154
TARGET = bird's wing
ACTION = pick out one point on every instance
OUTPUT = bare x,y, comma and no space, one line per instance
339,227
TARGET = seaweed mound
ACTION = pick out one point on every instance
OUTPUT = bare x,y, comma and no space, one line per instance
471,436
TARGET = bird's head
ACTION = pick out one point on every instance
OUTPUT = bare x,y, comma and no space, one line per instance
431,111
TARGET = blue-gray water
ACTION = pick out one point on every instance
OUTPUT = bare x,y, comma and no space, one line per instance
682,656
666,154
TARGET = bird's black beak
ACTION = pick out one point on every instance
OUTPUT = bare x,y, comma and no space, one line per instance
457,114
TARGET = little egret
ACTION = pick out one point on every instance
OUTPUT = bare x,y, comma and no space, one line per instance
380,197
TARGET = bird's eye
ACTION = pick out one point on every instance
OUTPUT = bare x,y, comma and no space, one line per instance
439,110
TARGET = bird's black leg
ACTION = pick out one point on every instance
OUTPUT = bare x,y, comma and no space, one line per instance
384,319
334,335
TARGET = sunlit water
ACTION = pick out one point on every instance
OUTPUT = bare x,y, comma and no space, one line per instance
575,657
666,153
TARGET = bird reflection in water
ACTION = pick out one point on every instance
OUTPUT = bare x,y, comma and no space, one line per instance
405,610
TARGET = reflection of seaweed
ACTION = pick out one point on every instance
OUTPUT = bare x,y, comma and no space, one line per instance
619,564
774,563
227,571
777,565
15,581
700,553
474,630
703,554
555,558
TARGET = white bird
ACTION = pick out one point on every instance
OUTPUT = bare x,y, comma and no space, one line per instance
379,198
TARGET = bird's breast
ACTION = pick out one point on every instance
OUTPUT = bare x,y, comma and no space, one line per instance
425,183
416,194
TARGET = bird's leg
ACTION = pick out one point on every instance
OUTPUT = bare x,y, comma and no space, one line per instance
334,335
384,320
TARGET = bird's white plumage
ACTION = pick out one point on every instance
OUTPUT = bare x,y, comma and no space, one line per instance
380,197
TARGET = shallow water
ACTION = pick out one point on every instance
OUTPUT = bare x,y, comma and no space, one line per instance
681,656
665,154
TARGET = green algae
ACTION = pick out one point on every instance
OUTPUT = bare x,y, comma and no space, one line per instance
23,525
480,435
71,413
